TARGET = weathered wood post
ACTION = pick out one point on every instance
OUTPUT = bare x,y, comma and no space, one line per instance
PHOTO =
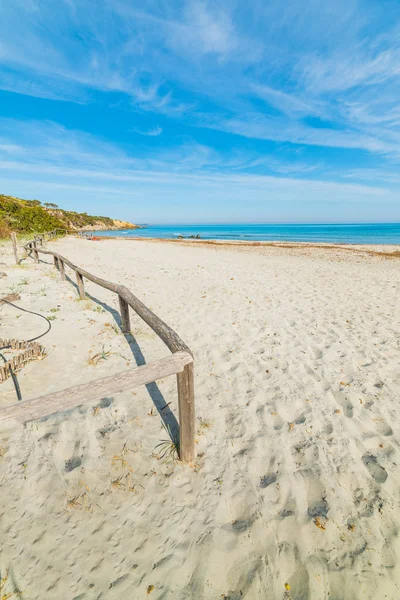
55,259
14,243
124,310
62,269
35,253
81,287
185,382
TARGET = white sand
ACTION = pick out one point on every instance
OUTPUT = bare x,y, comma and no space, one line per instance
296,484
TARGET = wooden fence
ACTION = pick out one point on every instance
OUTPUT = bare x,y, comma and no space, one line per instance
179,363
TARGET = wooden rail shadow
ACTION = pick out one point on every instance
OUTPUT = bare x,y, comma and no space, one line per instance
154,391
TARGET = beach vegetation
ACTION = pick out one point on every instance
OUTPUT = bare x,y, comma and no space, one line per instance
120,461
30,216
79,499
6,585
96,358
167,450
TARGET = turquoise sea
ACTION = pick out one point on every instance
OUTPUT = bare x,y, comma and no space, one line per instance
381,233
377,233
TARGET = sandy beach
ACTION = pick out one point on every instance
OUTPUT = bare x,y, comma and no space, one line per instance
295,490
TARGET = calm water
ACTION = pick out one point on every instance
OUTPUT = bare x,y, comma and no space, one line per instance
351,234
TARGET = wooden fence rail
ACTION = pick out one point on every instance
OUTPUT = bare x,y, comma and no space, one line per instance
180,363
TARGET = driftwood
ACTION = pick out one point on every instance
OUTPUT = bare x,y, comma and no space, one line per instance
74,396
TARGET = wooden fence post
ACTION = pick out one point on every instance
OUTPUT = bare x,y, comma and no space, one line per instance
124,310
185,382
62,269
55,259
35,253
81,287
14,243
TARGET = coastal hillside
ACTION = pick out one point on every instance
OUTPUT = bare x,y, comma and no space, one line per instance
27,216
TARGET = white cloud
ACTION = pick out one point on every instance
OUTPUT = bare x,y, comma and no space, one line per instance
47,149
153,132
79,171
323,75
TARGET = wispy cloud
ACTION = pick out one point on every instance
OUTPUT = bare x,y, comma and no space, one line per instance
224,77
50,162
153,132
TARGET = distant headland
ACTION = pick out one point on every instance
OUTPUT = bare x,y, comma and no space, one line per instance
26,216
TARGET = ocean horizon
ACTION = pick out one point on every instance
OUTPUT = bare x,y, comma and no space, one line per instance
352,233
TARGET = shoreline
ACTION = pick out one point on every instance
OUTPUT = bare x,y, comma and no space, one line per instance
392,250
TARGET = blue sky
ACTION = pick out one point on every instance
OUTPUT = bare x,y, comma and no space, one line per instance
195,111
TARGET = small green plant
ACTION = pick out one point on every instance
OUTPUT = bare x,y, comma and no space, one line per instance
23,281
96,358
53,310
167,449
15,288
51,318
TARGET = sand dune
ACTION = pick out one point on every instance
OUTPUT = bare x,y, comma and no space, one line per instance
295,490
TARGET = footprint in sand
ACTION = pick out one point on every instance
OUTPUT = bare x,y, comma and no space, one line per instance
384,429
344,403
316,499
289,509
289,564
72,463
377,472
267,480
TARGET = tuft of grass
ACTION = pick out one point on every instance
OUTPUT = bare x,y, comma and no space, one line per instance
114,327
80,500
15,288
120,461
167,450
53,274
23,281
124,482
41,292
96,358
